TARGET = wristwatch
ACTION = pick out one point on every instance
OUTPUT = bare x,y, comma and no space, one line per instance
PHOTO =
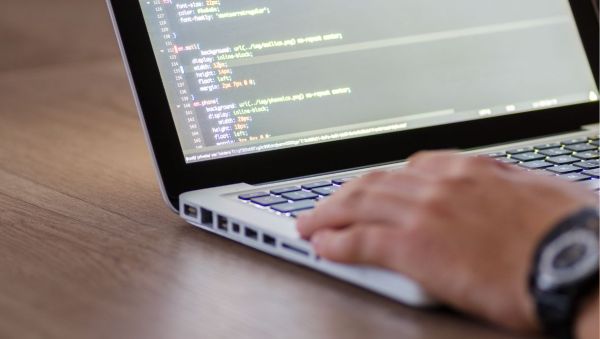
565,271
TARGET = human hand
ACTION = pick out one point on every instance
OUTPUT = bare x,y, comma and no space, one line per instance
465,228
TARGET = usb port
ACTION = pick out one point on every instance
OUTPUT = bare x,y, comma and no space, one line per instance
206,217
190,211
235,227
222,223
250,233
269,240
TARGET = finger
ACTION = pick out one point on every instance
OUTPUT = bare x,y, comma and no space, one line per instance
379,201
359,244
374,205
406,181
428,162
400,182
400,249
453,164
334,211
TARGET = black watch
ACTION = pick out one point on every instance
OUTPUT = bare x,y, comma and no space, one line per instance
565,271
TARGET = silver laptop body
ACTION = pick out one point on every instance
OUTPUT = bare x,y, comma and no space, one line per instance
251,81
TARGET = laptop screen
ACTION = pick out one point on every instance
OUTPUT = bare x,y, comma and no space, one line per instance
259,75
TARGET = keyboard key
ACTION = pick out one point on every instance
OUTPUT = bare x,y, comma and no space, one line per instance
564,169
497,155
520,150
593,172
575,177
294,206
250,196
508,161
545,173
342,181
547,146
588,164
555,152
325,191
575,141
280,191
534,165
581,147
563,160
268,201
530,156
590,155
316,185
300,195
594,137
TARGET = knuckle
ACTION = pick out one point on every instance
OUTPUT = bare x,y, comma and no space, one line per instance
419,219
352,197
449,185
478,162
355,187
434,199
464,167
373,177
363,190
421,156
371,195
367,202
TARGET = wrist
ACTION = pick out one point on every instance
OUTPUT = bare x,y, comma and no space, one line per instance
565,273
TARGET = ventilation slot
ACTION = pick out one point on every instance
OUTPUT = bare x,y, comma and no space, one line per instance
295,249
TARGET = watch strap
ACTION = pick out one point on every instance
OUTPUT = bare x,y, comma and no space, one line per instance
557,309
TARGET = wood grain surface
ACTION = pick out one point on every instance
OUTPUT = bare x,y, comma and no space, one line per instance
88,249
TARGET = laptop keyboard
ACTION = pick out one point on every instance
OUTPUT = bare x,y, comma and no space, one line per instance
575,160
294,199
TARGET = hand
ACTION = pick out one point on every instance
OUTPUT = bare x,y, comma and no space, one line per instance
465,228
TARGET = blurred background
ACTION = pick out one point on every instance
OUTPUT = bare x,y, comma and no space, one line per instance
65,100
39,33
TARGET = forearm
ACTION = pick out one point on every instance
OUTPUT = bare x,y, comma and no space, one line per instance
587,322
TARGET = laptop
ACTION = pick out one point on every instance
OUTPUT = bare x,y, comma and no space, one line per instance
255,110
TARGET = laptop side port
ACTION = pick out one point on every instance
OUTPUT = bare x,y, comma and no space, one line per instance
269,240
235,227
295,249
190,211
250,233
206,217
222,223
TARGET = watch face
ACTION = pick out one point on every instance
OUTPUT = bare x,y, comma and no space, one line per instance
569,256
568,259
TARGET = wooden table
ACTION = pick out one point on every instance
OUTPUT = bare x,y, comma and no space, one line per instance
88,249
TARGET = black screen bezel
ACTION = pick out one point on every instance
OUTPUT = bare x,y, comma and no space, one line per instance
179,177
